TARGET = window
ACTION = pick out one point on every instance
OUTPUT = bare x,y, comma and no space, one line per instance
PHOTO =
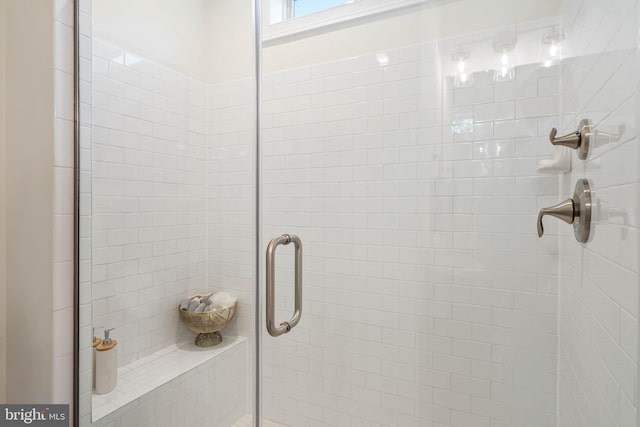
285,10
287,18
307,7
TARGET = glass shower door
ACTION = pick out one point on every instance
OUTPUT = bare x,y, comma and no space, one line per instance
409,152
167,211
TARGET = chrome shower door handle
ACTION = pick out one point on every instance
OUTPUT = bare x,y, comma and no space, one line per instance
284,327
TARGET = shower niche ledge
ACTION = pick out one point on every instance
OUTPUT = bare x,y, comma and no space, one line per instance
172,372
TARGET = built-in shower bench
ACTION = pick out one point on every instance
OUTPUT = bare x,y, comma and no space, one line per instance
166,377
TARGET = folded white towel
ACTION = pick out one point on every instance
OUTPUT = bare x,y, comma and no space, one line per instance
206,299
193,304
200,308
222,300
184,304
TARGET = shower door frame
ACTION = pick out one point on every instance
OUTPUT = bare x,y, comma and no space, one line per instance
76,214
257,313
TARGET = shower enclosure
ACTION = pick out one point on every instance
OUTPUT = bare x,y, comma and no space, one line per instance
365,177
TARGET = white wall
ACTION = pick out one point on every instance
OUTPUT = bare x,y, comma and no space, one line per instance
448,325
209,40
230,46
3,197
432,22
464,332
206,40
169,32
144,203
428,297
598,351
39,200
231,195
29,199
149,198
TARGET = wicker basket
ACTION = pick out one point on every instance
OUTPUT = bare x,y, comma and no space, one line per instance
208,324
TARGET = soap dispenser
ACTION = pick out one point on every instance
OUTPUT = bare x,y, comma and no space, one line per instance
96,342
106,364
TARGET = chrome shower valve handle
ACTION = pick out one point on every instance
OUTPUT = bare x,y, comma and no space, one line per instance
563,210
578,140
576,211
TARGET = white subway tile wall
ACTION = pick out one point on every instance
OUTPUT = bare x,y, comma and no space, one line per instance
147,148
231,205
148,198
598,351
429,300
231,196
